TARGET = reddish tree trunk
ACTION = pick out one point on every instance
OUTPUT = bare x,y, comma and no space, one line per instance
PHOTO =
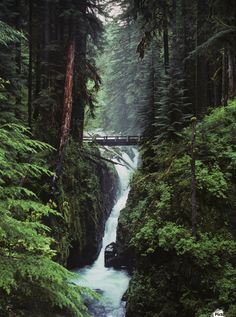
67,106
67,110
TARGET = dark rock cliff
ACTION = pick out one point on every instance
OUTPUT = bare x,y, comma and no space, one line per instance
93,220
88,190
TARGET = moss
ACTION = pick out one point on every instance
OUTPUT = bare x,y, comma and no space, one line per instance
86,192
176,274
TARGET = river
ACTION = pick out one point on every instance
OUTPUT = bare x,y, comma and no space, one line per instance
109,282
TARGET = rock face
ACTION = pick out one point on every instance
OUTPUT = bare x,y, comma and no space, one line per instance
110,255
87,193
119,255
93,221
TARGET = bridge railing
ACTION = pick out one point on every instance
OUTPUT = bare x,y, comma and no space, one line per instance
114,139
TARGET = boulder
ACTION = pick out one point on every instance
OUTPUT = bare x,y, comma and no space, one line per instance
117,259
110,254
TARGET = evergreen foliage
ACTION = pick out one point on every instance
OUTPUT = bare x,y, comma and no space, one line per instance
173,108
31,283
181,274
127,94
8,34
161,63
11,82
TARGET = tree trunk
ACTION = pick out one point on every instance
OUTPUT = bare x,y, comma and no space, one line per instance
175,35
152,97
165,40
81,94
68,88
37,81
224,93
193,179
184,35
201,79
37,72
30,66
216,82
46,80
231,90
18,57
67,110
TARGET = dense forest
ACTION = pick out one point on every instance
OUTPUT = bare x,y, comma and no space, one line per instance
163,70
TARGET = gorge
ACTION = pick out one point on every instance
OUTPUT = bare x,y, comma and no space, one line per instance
111,283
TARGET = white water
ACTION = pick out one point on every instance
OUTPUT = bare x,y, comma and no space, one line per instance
111,283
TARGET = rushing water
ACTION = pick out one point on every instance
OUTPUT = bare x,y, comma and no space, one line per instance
111,283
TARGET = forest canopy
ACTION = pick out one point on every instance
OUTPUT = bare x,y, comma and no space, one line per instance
161,69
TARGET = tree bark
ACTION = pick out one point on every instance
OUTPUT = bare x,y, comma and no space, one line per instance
216,82
81,94
184,35
193,179
67,110
201,79
231,88
18,57
224,93
68,88
37,77
38,74
152,97
165,39
30,66
46,73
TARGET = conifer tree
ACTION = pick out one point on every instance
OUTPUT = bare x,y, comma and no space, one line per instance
31,283
174,110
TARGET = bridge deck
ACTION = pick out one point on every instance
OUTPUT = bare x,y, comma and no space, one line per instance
114,140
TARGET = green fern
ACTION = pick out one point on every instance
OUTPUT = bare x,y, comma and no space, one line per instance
31,283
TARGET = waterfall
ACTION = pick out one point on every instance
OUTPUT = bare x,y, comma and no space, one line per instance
110,283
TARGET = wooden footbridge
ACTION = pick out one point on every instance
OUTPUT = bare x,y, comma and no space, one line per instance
114,140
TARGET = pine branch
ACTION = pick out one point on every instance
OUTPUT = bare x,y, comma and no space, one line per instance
212,42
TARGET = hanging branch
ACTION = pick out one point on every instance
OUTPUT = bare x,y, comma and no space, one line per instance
99,157
114,152
105,148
